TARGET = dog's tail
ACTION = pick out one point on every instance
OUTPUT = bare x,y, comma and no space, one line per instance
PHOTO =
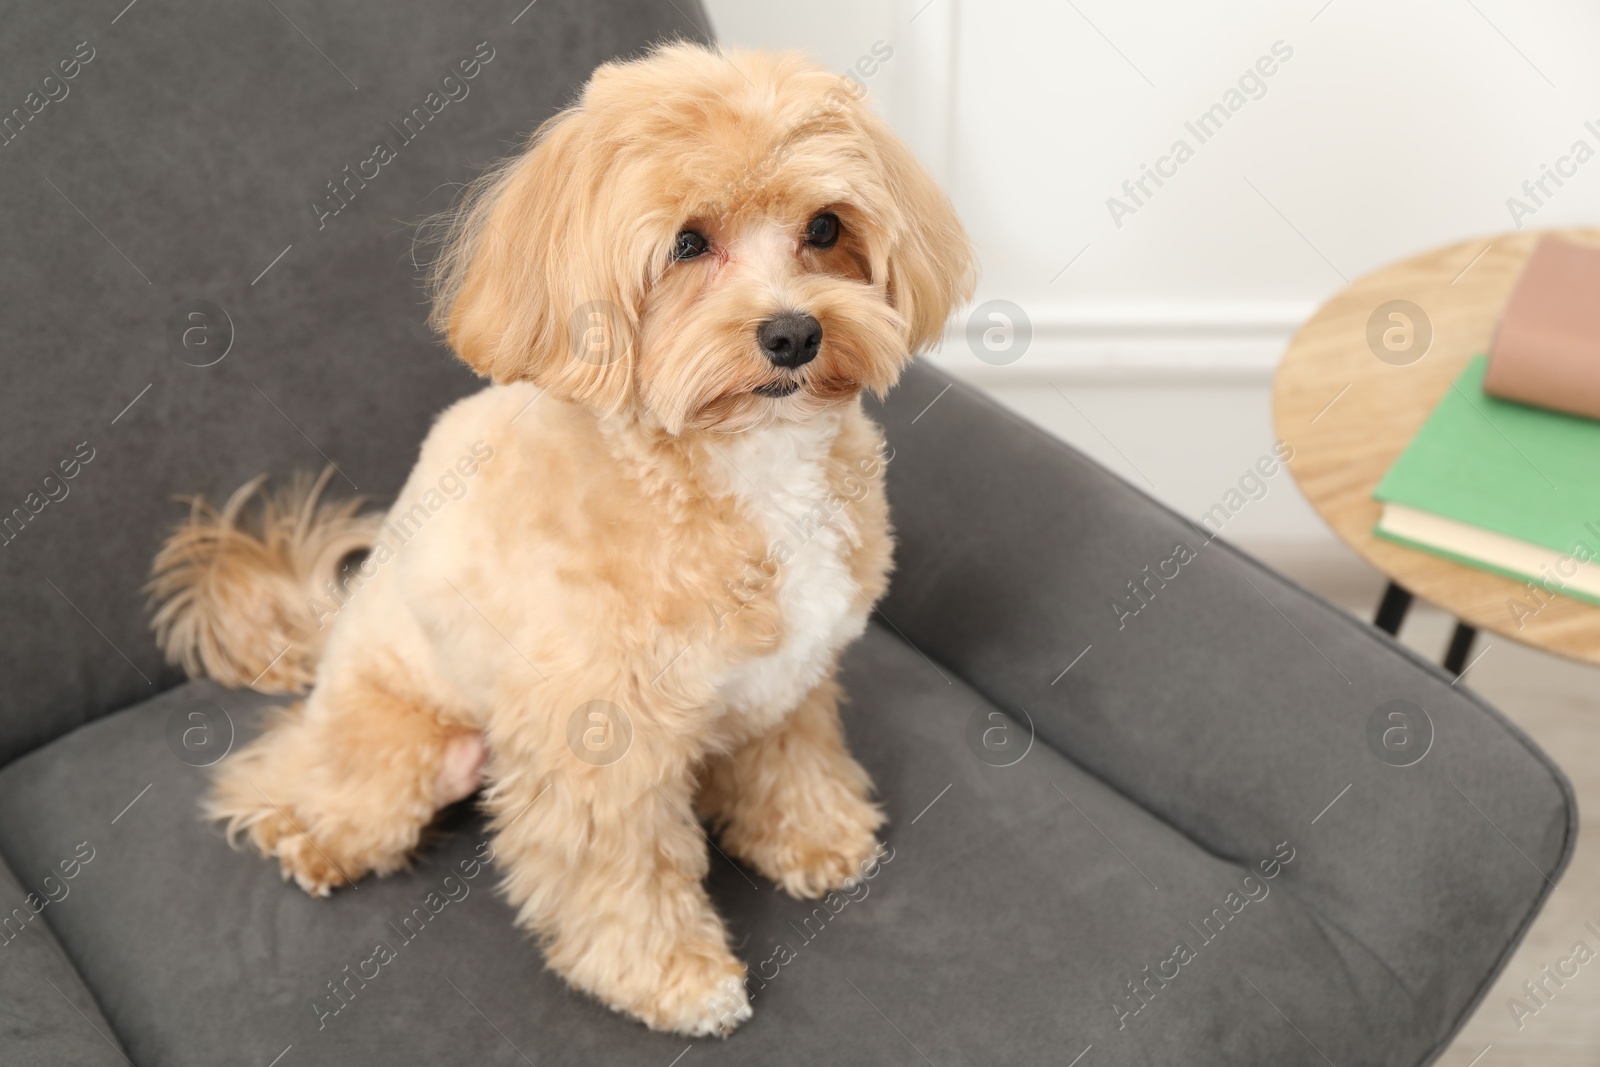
240,594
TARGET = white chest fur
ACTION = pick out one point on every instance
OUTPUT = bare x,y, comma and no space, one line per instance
779,474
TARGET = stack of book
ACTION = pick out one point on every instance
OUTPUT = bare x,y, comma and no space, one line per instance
1504,485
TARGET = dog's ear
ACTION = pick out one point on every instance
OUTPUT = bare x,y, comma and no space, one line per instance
929,258
528,286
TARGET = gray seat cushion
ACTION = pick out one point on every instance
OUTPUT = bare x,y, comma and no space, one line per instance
1004,929
47,1016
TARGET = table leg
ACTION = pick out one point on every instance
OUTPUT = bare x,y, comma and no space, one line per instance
1460,645
1392,611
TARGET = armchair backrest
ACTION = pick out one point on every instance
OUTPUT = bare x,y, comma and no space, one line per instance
207,273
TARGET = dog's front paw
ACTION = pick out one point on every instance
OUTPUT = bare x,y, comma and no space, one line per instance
699,995
715,1014
813,853
810,869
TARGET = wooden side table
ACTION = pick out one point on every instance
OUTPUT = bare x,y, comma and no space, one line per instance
1358,381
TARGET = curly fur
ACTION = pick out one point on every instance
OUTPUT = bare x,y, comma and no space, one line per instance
233,589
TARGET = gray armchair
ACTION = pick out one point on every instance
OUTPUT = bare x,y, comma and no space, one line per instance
1176,838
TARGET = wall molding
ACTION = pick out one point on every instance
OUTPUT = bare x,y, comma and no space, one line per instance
1145,344
1149,345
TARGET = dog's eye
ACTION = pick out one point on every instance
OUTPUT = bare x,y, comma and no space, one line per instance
689,245
823,231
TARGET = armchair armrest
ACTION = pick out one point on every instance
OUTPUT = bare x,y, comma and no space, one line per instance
1221,697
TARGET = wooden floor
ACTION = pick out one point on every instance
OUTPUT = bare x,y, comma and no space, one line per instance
1558,703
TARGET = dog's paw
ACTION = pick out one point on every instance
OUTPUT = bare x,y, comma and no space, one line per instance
812,857
312,869
699,996
310,864
812,869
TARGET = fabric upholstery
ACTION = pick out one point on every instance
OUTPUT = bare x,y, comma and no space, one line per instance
1009,920
1233,704
179,161
47,1017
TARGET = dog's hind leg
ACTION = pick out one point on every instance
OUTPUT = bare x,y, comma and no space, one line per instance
345,783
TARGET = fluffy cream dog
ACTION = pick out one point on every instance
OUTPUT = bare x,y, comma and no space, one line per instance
670,520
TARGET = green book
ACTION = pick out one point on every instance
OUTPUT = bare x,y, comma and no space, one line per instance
1501,486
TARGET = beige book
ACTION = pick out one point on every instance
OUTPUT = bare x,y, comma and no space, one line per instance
1547,349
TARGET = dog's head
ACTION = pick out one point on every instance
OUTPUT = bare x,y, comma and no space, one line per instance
705,240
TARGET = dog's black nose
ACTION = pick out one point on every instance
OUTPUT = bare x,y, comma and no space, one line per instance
790,339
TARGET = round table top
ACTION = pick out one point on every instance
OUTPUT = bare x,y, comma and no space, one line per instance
1348,413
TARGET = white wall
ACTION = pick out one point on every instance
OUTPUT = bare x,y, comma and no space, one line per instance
1392,127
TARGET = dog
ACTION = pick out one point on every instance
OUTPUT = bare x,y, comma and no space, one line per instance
670,521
